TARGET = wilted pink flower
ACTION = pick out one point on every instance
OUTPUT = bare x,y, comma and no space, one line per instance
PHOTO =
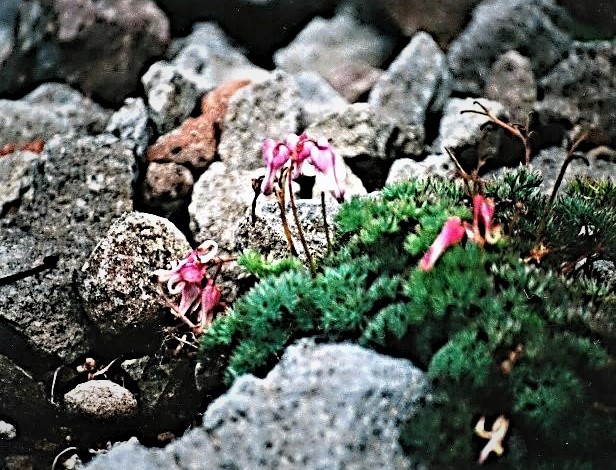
210,298
187,277
483,228
275,155
300,149
452,233
481,231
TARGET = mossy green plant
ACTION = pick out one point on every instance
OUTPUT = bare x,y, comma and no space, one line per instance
497,335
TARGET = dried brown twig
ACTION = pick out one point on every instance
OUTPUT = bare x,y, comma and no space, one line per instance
517,130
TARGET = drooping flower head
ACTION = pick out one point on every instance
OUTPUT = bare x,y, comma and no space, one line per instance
483,229
275,156
187,276
299,149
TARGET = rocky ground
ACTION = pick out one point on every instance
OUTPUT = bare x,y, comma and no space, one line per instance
130,131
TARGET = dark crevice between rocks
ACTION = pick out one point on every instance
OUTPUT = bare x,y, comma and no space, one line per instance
372,174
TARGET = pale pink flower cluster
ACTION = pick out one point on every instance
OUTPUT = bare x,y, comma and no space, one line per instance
298,150
481,231
189,277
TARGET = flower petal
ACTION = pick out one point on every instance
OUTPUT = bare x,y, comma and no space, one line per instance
210,297
207,251
452,233
190,293
275,155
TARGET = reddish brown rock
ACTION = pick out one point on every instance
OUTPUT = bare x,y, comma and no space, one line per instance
194,143
35,146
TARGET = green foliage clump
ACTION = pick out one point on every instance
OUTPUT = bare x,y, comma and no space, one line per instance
496,335
261,266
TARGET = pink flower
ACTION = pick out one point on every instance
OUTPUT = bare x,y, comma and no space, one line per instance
275,155
481,231
325,160
187,278
300,149
451,234
210,298
483,228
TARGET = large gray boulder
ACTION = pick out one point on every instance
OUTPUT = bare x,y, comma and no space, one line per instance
79,187
117,286
322,407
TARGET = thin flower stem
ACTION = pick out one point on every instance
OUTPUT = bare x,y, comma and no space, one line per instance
325,226
256,187
300,230
174,309
283,214
570,157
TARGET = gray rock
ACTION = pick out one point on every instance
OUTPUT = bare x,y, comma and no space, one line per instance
353,186
417,81
130,124
368,141
8,432
208,58
604,271
586,81
269,109
116,283
166,187
198,63
317,97
354,81
327,44
168,397
135,367
52,108
73,462
267,235
536,27
219,201
433,165
322,406
98,46
171,96
102,400
512,83
81,185
17,171
462,133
